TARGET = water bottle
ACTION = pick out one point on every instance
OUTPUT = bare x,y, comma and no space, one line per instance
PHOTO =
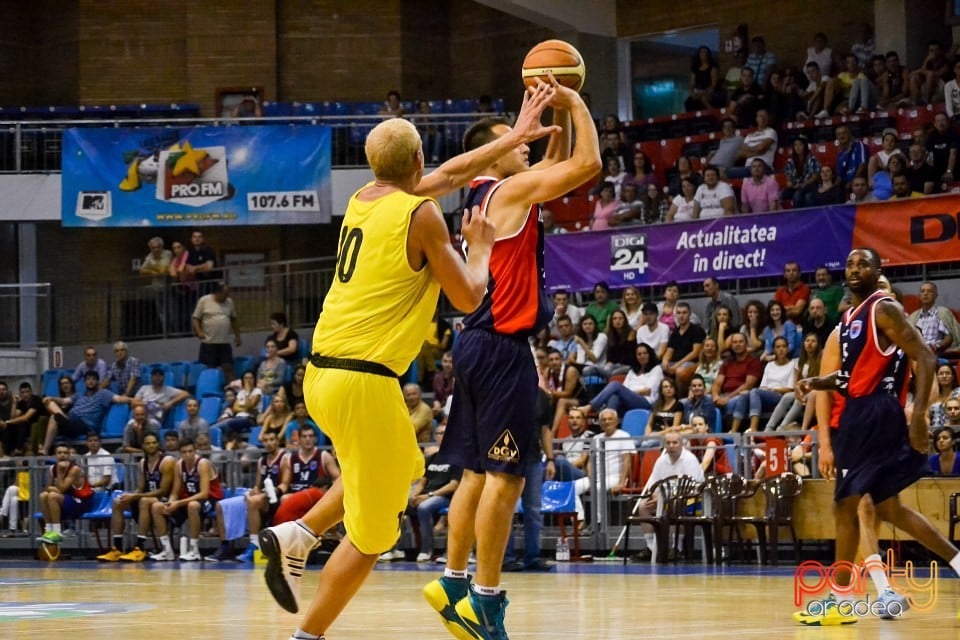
563,550
270,490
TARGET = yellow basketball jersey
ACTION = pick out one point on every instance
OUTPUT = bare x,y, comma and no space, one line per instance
378,307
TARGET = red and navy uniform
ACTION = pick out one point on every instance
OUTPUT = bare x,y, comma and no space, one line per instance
306,473
271,468
871,442
76,500
152,475
492,424
190,485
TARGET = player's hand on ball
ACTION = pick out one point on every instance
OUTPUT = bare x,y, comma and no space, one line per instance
565,97
477,229
528,126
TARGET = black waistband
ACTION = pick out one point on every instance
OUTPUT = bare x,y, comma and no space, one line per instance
349,364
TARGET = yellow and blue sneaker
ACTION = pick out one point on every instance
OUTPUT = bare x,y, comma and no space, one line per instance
483,615
443,594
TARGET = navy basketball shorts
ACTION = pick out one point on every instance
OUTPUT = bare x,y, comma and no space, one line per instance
872,449
493,418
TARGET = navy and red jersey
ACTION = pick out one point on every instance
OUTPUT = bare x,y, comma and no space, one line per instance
515,302
306,473
152,475
191,482
271,468
865,368
82,492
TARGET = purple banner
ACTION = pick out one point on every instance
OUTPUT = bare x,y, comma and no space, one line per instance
742,246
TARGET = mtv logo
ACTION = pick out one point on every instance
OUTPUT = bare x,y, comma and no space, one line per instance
93,205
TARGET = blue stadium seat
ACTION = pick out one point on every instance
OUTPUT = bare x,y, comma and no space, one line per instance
114,422
254,437
242,364
181,371
169,378
120,473
718,421
216,436
193,375
635,422
175,417
210,408
210,383
49,382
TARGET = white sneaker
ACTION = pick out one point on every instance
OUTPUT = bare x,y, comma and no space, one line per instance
286,547
423,557
390,556
163,556
823,113
191,556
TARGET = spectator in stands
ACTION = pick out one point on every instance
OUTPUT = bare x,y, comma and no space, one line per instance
827,190
613,144
571,460
759,144
953,414
794,404
618,447
25,420
852,154
881,159
760,61
613,175
802,170
708,449
194,423
591,352
272,370
83,414
816,322
431,494
859,88
779,325
420,413
651,331
605,208
301,419
731,80
653,205
610,124
549,224
698,402
602,306
566,341
275,418
7,409
717,298
945,462
563,382
66,497
621,344
639,390
393,105
760,193
90,363
158,397
728,147
720,329
293,391
443,384
667,411
629,206
709,361
925,81
920,173
683,169
778,379
248,107
684,205
643,173
214,320
943,143
288,342
195,492
828,291
951,93
815,93
894,82
753,326
666,307
244,411
430,132
947,388
438,338
561,308
747,98
202,264
705,89
863,46
715,197
936,323
101,471
820,53
793,294
136,429
157,265
901,188
738,375
124,372
184,289
683,348
782,95
860,191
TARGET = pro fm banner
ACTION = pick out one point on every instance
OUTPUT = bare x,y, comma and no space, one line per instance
904,232
273,174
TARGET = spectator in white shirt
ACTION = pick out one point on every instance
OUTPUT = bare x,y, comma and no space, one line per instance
760,144
651,330
563,307
101,471
715,197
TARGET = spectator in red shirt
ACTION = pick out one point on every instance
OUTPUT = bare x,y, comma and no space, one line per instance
794,294
738,375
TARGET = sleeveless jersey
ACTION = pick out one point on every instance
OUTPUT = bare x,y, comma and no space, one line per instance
191,482
152,475
515,302
378,308
81,492
271,468
307,472
865,369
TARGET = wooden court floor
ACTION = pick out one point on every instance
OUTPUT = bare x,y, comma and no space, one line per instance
602,601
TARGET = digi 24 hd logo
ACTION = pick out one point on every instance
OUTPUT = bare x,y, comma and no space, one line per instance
628,255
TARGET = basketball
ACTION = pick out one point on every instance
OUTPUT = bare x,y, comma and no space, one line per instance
556,56
48,551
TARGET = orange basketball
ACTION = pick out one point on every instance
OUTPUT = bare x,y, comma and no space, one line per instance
48,551
556,56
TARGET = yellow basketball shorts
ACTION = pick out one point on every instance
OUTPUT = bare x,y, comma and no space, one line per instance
366,419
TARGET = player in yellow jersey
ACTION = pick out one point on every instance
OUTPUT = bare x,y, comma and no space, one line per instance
394,257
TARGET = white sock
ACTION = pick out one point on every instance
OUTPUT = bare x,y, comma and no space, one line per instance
255,540
955,563
650,539
300,634
195,545
56,527
453,573
486,591
165,541
878,574
845,596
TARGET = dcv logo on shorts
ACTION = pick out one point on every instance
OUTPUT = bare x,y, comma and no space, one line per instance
504,449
